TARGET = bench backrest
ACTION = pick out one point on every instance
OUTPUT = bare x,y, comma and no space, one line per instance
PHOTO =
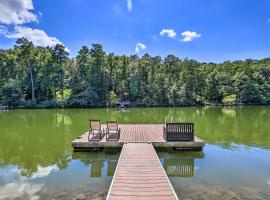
180,127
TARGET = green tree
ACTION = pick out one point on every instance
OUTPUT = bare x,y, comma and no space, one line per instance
34,76
27,56
60,62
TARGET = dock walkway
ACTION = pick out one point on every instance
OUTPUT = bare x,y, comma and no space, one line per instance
140,175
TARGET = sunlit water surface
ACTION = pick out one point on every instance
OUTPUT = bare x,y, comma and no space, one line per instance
37,161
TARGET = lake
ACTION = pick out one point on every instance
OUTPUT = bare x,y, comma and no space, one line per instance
37,160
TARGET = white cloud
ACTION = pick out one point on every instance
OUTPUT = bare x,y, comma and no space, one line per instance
129,5
16,186
44,171
188,36
169,32
139,46
20,190
17,12
37,36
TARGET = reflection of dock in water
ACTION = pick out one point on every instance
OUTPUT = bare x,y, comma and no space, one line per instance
181,164
96,168
100,165
181,167
111,167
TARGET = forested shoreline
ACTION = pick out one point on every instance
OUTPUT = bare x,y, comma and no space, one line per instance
46,77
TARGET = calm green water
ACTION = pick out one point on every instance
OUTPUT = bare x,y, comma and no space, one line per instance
37,162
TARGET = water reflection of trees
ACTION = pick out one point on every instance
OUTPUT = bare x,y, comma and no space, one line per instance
30,139
225,126
38,138
237,125
33,138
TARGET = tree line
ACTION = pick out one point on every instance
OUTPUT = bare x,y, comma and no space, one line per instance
46,77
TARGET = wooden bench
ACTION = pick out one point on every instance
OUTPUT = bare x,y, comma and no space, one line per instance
179,132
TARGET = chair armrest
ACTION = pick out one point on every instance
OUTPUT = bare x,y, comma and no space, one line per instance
164,129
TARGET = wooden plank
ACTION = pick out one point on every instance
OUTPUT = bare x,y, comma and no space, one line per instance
140,175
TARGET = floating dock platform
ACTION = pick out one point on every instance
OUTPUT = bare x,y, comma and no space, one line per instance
136,133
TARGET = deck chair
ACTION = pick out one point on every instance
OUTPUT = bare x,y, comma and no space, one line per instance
112,131
95,131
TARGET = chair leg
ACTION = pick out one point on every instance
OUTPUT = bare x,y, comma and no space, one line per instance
89,134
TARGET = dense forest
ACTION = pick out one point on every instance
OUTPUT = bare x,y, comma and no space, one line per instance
45,77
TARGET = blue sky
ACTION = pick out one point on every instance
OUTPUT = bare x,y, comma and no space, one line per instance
209,30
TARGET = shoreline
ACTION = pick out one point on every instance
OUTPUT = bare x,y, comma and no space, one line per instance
38,107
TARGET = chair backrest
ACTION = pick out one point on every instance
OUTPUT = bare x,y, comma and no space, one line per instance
180,127
95,124
112,125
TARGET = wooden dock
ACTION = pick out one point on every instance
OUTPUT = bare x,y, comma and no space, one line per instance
152,133
140,175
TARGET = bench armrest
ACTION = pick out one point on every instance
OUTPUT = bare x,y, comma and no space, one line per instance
164,133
